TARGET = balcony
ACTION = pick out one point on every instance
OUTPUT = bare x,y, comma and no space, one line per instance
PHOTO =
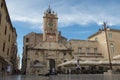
89,54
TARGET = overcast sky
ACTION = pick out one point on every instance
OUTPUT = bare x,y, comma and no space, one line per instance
78,19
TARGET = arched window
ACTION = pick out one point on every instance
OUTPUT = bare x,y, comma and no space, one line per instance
112,48
36,62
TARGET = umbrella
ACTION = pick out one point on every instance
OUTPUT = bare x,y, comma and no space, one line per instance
116,57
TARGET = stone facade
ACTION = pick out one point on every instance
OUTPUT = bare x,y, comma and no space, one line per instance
8,36
86,50
37,50
113,42
43,52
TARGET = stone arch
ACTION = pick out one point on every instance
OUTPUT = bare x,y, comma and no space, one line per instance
36,62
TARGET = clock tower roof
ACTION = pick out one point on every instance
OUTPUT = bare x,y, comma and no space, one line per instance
49,10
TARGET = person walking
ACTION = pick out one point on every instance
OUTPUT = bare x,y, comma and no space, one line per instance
8,70
78,67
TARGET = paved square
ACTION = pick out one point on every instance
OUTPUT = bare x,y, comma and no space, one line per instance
64,77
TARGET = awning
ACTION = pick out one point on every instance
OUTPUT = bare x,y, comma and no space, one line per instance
89,62
5,61
116,62
69,63
8,62
116,57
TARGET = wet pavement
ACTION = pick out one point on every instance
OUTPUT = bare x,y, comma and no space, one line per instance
64,77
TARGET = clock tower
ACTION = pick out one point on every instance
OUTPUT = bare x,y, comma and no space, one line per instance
50,26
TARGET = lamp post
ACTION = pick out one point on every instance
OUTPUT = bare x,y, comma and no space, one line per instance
109,56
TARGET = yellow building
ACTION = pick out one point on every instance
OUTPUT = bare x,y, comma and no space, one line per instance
8,36
113,42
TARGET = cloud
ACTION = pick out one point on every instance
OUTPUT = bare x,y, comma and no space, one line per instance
83,15
80,12
78,32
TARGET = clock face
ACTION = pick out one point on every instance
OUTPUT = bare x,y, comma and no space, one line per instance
50,24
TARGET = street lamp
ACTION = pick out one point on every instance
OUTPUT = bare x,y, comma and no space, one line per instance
109,56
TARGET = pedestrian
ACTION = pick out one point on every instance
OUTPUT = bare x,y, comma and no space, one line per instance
53,70
8,70
78,67
69,71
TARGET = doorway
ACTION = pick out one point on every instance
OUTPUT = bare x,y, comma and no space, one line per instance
52,65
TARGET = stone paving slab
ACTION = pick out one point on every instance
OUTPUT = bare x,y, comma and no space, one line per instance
64,77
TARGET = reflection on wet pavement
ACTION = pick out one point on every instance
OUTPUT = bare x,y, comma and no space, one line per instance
64,77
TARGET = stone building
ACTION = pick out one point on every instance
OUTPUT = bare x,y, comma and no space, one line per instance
113,42
96,51
8,36
18,66
44,52
86,50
